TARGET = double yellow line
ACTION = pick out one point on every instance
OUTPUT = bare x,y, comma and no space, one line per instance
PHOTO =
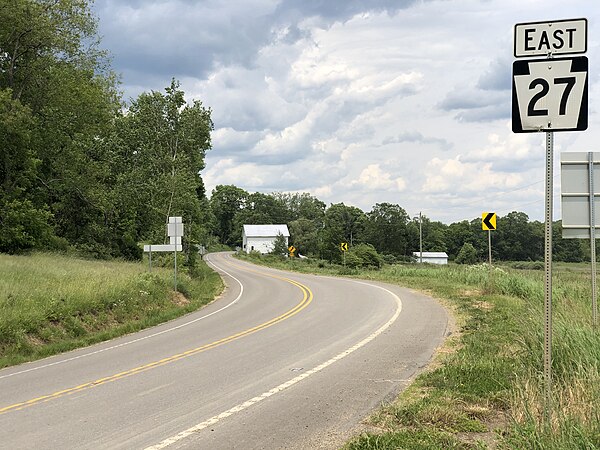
307,297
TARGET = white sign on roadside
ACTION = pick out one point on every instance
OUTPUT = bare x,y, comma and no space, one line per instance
163,248
575,193
558,37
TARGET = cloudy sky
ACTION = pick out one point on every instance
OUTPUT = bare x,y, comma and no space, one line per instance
356,101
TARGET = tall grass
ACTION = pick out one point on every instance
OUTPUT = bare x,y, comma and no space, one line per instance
51,303
575,404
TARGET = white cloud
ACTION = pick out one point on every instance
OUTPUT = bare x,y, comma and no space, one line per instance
457,176
373,178
355,102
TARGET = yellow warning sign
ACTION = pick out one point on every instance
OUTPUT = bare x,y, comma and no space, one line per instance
488,221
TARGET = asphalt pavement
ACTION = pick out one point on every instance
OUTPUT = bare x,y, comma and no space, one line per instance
280,360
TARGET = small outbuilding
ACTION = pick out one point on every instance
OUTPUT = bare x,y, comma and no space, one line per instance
261,238
432,257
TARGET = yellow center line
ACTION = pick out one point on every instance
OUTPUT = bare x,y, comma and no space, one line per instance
307,297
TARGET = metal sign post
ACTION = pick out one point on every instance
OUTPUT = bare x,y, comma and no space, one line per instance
550,95
420,238
490,247
175,232
344,249
593,237
548,275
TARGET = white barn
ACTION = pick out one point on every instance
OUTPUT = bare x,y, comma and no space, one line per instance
262,237
432,257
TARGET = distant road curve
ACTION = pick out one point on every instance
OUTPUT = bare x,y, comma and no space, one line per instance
281,360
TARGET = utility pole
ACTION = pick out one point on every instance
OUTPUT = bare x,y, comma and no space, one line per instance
420,237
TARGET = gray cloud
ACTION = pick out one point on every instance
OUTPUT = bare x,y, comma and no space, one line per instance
417,137
156,39
499,111
332,11
498,77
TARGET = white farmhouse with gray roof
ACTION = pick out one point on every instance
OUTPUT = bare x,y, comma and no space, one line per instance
262,237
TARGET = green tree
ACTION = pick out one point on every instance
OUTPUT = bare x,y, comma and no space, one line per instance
23,223
305,236
386,228
226,202
162,145
38,36
434,235
302,206
51,66
259,209
467,254
567,250
280,247
515,238
341,224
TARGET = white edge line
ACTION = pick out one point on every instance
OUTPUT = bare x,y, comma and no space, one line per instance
85,355
242,406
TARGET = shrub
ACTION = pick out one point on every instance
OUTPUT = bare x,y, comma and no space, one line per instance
466,255
280,246
363,255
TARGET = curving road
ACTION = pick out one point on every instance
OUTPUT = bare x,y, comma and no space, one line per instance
281,360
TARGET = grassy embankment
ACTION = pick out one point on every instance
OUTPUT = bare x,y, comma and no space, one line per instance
52,303
485,388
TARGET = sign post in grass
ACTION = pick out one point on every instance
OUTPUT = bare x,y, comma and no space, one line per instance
175,233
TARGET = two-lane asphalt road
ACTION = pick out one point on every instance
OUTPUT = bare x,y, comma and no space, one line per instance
281,360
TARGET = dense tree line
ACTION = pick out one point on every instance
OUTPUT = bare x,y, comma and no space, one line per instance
317,230
80,168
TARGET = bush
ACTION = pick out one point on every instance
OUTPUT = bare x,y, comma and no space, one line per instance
466,255
280,247
526,265
363,255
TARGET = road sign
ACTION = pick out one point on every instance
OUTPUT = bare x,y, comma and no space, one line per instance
488,221
292,249
163,248
344,246
550,95
579,174
580,199
559,37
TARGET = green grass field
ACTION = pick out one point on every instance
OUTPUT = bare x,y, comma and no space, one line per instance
52,303
486,388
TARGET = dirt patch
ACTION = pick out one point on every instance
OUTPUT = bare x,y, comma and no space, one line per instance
485,306
35,341
495,424
468,293
179,299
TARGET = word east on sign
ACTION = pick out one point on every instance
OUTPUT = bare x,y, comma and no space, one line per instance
551,38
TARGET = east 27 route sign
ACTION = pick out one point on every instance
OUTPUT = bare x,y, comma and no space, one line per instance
550,95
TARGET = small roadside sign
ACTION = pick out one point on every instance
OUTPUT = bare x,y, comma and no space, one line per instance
488,221
344,246
292,250
558,37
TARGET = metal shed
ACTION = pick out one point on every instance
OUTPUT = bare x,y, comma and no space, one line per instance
433,257
261,238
